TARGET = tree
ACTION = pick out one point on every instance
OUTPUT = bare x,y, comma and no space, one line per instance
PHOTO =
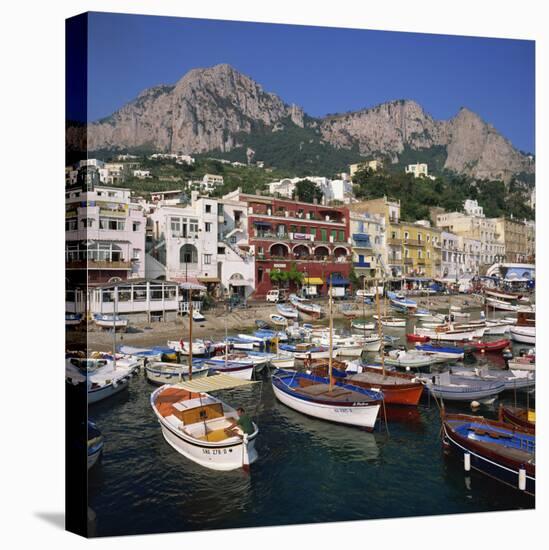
307,191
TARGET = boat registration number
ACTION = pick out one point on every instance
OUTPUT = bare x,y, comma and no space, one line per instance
216,451
344,411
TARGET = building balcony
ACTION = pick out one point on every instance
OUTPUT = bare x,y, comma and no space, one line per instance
98,264
421,261
394,242
362,264
408,261
413,243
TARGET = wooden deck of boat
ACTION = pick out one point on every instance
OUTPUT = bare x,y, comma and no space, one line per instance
510,452
378,378
322,391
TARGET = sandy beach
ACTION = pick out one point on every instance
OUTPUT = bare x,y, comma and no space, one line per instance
239,320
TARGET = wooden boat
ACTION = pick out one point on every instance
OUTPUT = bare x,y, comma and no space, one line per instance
446,333
314,396
168,373
451,387
306,351
198,425
500,295
287,311
278,320
523,419
493,448
260,324
494,345
110,321
397,388
199,347
240,343
95,444
73,319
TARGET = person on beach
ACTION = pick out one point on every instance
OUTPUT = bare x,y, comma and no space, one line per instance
244,423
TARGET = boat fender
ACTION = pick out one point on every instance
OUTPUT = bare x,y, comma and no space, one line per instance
467,462
114,384
475,405
522,479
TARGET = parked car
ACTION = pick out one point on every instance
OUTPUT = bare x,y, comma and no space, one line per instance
277,295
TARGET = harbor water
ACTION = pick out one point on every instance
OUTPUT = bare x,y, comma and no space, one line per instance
308,470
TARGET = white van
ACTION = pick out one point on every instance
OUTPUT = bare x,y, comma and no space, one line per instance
276,295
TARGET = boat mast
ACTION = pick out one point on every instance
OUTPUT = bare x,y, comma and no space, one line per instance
115,309
331,344
190,335
380,331
226,342
363,297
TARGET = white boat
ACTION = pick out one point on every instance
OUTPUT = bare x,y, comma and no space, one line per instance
197,316
110,321
502,305
72,319
435,318
371,342
445,353
95,444
196,424
237,369
524,335
278,320
450,387
362,325
168,373
313,396
287,311
409,359
283,361
306,351
513,379
397,322
240,343
103,377
497,327
446,333
306,306
500,295
199,347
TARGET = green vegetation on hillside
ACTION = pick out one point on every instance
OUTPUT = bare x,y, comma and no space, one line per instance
418,195
301,151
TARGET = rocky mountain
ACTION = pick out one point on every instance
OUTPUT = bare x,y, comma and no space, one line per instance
220,109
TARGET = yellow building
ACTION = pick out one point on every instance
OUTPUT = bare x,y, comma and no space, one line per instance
515,236
411,248
374,165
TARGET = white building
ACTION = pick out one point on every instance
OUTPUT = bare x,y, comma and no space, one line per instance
178,157
368,244
211,181
142,174
204,241
104,232
472,208
419,170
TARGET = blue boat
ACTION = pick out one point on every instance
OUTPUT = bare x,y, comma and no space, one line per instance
399,301
493,448
342,403
450,352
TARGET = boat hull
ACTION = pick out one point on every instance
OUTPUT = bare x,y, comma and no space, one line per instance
215,457
486,463
524,335
157,377
361,416
104,392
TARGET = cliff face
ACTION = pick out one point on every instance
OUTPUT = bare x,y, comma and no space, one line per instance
203,111
209,108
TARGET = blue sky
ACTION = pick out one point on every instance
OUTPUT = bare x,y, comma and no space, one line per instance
324,70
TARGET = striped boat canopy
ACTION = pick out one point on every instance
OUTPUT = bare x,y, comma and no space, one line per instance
213,383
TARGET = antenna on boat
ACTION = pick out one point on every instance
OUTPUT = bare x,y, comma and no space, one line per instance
331,345
379,329
190,335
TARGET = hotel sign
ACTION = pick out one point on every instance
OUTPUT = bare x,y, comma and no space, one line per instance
279,265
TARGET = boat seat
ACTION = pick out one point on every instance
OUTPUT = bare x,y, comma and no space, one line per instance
215,435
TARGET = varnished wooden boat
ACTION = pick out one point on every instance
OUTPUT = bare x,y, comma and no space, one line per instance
496,449
524,419
397,388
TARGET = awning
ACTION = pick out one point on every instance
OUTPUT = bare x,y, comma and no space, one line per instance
239,282
338,281
209,279
519,274
213,383
313,281
258,223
